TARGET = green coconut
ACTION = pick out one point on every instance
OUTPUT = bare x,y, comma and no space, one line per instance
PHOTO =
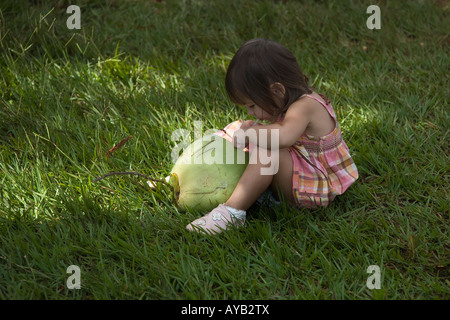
206,173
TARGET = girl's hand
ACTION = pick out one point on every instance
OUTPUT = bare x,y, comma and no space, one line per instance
248,124
238,142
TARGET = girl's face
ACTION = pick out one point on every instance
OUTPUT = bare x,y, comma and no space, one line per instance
256,111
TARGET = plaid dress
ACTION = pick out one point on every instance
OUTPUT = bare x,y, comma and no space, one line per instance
322,166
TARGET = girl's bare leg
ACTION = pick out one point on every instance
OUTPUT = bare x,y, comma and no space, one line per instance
252,183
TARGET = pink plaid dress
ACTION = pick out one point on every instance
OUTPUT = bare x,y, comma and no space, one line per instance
322,166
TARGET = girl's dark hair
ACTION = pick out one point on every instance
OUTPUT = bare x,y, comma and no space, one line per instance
258,64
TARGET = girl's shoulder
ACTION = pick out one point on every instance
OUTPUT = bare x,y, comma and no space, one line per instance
308,103
316,96
322,117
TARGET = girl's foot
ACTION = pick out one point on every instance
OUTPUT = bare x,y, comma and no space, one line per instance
218,220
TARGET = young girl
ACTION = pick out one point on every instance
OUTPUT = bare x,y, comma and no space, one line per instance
314,164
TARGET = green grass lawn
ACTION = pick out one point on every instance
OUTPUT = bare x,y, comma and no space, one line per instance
146,68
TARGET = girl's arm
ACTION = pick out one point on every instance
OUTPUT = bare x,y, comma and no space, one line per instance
289,130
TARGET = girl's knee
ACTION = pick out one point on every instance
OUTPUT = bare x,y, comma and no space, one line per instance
282,181
268,160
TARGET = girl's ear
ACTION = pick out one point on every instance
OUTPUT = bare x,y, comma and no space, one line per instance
278,90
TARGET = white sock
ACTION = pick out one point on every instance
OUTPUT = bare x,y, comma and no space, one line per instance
236,213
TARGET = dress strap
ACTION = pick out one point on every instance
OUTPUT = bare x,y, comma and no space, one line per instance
325,102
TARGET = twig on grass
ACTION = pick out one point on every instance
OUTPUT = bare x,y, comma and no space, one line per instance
117,146
134,173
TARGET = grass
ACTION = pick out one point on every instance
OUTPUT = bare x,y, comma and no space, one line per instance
146,68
